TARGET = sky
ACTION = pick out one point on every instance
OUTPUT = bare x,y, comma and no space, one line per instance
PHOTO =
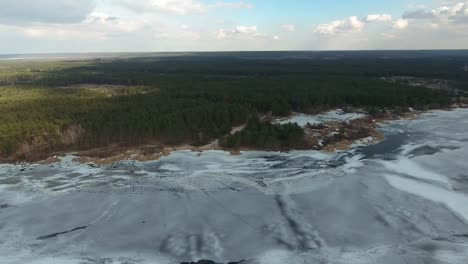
62,26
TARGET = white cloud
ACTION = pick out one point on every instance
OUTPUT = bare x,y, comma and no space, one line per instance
83,25
240,31
457,12
57,33
179,7
378,18
460,13
443,26
419,14
52,32
354,24
232,5
107,23
97,26
400,24
221,34
432,26
178,35
243,32
387,36
288,27
453,10
351,24
46,11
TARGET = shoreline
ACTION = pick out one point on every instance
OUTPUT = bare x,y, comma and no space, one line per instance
151,152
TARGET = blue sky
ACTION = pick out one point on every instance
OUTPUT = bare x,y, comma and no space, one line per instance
30,26
319,11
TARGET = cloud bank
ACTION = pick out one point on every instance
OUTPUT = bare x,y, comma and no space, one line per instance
47,11
199,25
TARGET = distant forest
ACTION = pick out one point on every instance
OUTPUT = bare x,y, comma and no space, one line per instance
47,106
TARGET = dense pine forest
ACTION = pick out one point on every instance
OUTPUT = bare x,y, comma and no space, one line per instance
48,106
264,135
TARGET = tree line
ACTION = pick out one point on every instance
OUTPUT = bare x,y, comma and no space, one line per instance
187,102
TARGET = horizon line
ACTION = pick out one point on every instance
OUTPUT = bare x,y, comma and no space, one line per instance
221,51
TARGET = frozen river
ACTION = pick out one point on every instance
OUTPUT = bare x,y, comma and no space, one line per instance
404,200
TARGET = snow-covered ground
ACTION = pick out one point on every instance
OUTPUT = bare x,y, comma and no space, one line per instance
335,115
403,200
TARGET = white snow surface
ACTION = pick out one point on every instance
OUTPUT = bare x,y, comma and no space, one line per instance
334,115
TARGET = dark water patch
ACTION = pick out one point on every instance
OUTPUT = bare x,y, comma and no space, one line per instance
340,161
462,178
461,235
121,260
460,183
53,184
61,188
126,165
212,262
381,219
74,175
429,150
293,163
10,181
61,233
306,163
429,247
424,151
4,206
271,158
386,149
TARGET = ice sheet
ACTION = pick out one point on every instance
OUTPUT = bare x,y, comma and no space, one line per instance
401,201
